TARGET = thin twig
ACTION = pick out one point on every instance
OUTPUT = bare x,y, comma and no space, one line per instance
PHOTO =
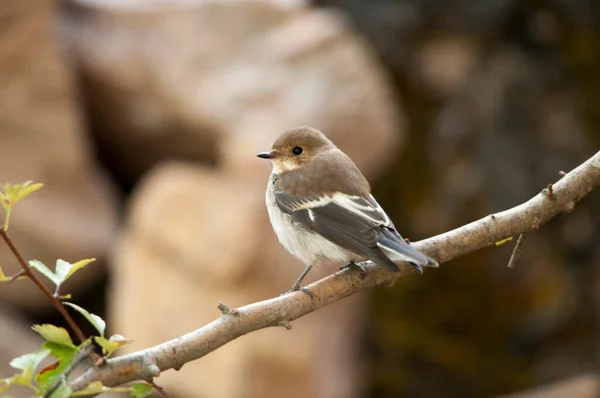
517,250
17,276
274,312
159,389
96,359
56,301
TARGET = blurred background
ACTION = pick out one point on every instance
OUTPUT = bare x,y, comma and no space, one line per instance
143,118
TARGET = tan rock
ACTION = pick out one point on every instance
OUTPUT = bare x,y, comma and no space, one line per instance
195,237
42,139
191,79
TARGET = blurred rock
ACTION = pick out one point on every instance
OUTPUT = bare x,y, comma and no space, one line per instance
195,237
42,139
445,63
585,386
190,80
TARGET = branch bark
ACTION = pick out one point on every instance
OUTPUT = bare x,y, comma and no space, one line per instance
280,311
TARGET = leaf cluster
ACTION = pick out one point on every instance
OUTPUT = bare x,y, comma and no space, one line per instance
52,380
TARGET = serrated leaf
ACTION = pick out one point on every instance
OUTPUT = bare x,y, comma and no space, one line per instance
28,361
64,269
12,193
94,319
96,387
503,241
51,375
141,390
63,391
27,364
79,265
109,346
27,189
41,267
54,334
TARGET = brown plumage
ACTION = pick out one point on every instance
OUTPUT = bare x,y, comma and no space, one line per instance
321,207
336,171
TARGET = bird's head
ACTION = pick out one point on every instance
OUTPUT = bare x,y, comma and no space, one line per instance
295,148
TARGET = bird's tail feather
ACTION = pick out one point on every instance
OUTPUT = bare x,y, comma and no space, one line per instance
397,249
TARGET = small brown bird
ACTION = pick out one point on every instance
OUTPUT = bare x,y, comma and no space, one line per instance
321,208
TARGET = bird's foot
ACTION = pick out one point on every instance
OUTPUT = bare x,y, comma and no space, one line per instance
353,265
296,285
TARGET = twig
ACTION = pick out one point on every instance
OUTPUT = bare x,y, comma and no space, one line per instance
55,300
517,250
159,389
225,310
96,359
474,236
17,276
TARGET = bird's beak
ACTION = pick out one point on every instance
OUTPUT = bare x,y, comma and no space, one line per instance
267,155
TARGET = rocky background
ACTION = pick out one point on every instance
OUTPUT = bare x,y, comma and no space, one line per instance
143,118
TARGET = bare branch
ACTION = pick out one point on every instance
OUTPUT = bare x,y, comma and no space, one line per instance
284,309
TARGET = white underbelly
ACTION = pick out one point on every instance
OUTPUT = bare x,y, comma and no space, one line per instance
306,246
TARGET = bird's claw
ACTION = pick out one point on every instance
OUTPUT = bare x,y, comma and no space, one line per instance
353,265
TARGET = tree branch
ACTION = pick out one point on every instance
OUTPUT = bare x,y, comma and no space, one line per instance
280,311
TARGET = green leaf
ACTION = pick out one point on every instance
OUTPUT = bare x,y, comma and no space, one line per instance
4,200
63,391
51,375
27,364
109,346
141,390
94,319
41,267
64,269
54,334
3,278
503,241
96,387
28,189
11,194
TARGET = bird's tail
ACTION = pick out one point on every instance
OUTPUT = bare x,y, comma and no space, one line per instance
392,244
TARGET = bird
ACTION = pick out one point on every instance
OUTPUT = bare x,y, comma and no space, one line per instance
321,207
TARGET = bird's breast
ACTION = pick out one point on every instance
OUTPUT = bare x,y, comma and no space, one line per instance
307,246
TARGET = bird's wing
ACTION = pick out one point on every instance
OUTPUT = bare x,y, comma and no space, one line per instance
355,223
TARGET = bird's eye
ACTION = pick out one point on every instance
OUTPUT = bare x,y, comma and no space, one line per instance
297,150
